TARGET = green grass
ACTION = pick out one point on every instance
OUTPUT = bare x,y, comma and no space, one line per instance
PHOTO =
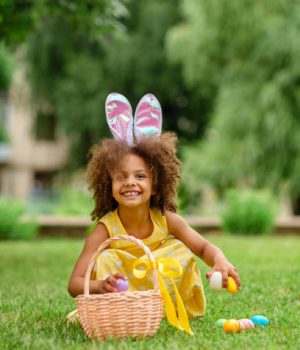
34,300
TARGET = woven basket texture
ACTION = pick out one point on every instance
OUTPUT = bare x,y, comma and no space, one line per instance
122,314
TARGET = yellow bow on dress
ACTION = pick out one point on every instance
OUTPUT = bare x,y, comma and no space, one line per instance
167,267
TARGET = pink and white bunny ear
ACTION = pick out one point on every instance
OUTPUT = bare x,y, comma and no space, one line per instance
147,118
119,117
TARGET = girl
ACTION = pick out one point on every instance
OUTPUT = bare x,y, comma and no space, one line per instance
133,178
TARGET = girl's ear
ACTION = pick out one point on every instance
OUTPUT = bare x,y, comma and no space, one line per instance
119,117
147,118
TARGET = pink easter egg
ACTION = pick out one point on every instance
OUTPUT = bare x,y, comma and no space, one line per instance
245,324
122,286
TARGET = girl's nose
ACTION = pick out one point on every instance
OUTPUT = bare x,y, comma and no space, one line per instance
130,181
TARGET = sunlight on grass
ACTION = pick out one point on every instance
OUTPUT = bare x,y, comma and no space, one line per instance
34,299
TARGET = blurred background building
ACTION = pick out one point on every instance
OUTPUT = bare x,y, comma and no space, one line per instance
34,149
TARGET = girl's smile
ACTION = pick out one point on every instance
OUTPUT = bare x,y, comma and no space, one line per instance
130,194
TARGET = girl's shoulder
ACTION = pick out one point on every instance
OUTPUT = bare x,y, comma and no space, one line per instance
174,221
97,236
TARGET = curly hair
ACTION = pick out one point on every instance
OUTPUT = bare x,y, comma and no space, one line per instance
159,153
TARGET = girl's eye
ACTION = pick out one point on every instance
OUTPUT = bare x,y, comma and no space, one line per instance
140,176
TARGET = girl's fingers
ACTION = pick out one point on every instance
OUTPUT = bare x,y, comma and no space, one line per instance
119,275
108,287
236,277
207,275
113,280
224,279
226,271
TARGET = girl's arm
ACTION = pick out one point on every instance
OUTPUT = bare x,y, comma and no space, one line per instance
208,252
76,282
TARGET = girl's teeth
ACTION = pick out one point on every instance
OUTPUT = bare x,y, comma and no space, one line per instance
131,193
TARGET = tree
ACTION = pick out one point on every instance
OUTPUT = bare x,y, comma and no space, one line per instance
18,19
245,55
55,30
74,72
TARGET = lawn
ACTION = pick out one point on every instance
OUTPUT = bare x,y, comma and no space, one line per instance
34,300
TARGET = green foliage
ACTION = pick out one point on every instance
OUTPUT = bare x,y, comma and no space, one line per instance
3,135
6,67
192,185
64,62
244,55
12,223
25,229
69,201
18,19
58,31
248,213
73,202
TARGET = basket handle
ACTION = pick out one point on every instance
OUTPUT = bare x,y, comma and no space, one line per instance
106,243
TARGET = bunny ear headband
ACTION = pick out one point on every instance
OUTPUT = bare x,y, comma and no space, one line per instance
147,119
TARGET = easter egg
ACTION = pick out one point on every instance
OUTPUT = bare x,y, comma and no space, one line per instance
231,326
259,320
122,286
216,281
220,322
245,323
231,285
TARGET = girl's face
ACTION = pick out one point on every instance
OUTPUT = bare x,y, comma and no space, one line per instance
132,182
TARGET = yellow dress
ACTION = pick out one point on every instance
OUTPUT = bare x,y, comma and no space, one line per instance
119,258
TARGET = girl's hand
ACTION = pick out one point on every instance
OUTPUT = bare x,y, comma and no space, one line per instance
110,283
227,269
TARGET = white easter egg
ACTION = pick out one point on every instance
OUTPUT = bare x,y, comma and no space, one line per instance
216,281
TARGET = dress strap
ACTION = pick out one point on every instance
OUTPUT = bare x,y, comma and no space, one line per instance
159,220
111,222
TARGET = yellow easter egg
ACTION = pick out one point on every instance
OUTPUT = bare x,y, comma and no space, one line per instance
231,285
231,326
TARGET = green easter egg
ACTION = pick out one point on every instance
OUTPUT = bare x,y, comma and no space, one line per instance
220,322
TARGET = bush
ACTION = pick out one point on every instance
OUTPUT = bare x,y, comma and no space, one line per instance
12,222
73,202
3,135
248,213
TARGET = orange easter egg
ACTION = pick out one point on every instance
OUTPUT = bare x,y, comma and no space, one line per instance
231,326
231,285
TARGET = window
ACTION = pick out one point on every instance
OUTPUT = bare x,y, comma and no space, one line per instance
43,182
43,193
45,126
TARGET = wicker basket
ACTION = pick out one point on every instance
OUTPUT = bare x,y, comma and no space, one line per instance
124,314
